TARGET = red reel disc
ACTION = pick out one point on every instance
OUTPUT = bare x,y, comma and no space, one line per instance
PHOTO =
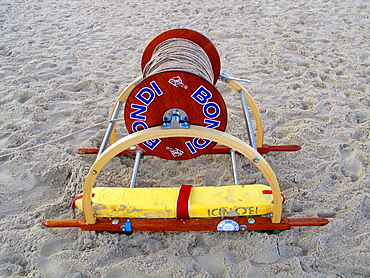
156,94
191,35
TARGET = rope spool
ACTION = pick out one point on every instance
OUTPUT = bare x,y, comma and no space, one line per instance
182,55
186,34
179,67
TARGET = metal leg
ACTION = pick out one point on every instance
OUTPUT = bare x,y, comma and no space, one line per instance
235,166
248,120
136,168
110,128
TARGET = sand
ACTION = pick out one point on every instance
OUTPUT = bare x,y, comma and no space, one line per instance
63,64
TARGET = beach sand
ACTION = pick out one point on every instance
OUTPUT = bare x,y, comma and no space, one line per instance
64,63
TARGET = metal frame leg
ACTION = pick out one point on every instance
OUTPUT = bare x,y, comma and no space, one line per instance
109,129
136,168
235,166
248,120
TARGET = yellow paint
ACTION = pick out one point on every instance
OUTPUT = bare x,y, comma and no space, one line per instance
224,201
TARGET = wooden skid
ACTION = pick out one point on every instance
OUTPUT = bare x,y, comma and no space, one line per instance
201,224
218,149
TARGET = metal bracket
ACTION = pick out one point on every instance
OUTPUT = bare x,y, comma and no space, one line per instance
127,227
225,78
175,118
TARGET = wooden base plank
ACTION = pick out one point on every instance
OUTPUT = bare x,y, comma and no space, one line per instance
218,149
200,224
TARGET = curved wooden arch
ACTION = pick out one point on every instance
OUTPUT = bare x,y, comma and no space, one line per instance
193,131
122,98
254,109
233,84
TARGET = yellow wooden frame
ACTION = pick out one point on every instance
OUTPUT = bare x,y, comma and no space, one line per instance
194,131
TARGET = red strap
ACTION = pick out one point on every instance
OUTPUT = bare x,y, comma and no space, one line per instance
73,206
182,211
270,192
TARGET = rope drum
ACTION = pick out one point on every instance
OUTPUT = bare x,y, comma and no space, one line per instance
180,68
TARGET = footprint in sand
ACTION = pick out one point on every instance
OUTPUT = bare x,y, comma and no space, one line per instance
207,262
50,264
351,165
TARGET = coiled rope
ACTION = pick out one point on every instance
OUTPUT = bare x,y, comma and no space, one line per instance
178,54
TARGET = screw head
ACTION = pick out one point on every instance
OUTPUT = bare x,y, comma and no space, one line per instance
256,159
251,220
94,172
115,221
243,227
